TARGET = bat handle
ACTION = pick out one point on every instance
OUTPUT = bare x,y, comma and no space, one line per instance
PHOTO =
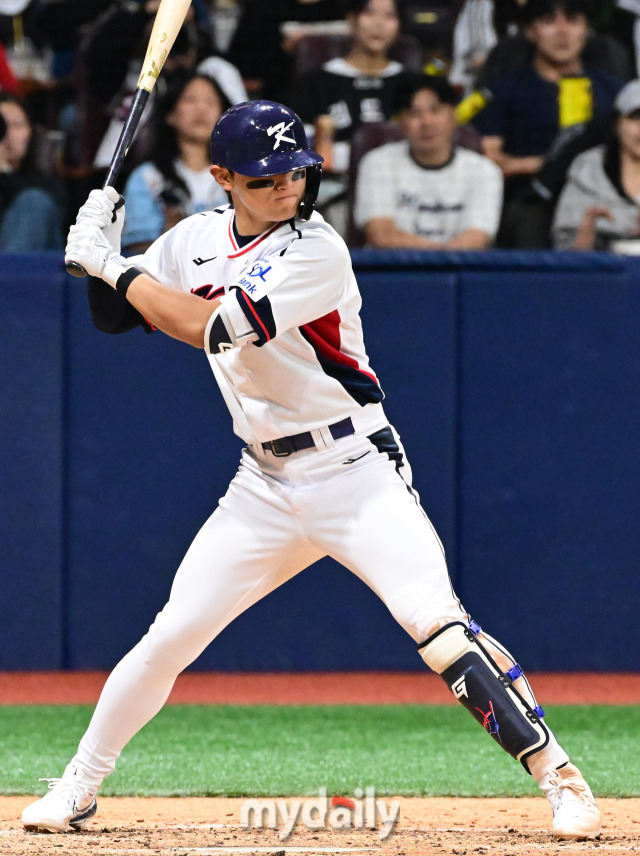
75,269
138,104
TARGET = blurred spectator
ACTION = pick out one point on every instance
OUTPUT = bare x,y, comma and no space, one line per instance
536,110
226,76
625,26
477,29
601,51
58,23
30,216
473,37
424,192
600,204
359,87
43,54
352,90
260,47
176,181
224,16
110,56
118,39
8,81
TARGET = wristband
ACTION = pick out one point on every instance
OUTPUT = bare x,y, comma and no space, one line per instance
114,267
125,279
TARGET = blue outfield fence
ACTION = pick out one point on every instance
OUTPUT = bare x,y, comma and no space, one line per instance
513,379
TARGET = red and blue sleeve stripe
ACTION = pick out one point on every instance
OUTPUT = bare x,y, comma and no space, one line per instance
324,337
259,314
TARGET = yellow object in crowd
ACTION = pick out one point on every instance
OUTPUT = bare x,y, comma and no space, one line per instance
472,105
575,101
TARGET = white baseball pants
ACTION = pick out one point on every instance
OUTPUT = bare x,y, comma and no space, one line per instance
280,514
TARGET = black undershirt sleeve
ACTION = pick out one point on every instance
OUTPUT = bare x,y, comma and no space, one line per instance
110,309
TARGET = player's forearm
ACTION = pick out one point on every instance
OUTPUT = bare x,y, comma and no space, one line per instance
177,313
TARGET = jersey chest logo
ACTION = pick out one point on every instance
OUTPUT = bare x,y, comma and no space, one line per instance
261,278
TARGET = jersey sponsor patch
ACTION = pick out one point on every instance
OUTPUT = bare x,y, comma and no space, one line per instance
261,278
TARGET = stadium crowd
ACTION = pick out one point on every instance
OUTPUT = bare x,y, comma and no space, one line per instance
461,125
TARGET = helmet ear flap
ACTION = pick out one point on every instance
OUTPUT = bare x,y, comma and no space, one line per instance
311,191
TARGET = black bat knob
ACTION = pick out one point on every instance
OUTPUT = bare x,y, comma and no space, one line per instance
75,269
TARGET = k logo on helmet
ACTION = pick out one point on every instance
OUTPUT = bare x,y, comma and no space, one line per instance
279,130
260,139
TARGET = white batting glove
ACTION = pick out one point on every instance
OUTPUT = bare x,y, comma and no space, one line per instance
105,208
113,230
94,239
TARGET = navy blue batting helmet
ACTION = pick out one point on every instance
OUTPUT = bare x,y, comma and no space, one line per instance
262,138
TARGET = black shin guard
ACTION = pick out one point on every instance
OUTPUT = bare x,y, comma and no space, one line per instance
475,679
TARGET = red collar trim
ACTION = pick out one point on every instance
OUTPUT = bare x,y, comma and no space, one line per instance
253,244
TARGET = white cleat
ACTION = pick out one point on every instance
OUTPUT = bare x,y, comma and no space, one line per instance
69,805
575,811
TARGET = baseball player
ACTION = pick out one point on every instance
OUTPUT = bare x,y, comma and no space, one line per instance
322,472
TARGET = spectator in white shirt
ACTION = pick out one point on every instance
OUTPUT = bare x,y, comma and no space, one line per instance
474,35
424,192
175,182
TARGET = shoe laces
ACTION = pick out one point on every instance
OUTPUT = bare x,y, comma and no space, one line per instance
574,785
74,791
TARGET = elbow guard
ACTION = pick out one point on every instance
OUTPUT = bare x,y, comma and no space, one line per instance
220,335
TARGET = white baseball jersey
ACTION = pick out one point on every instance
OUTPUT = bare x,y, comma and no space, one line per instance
292,302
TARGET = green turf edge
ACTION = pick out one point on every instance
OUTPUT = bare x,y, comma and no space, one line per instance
268,750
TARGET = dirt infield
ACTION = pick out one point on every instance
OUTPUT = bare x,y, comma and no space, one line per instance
315,688
426,827
461,827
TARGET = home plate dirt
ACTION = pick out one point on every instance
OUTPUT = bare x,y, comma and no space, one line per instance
440,826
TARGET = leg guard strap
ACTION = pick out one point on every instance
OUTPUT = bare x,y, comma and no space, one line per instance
475,679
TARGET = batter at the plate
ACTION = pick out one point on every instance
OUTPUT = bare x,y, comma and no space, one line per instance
323,472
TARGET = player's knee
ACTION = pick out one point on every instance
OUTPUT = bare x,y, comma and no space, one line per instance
172,645
423,606
463,657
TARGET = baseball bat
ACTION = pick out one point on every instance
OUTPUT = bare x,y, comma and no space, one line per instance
169,18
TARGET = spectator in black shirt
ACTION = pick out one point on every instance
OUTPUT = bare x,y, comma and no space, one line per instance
361,86
540,108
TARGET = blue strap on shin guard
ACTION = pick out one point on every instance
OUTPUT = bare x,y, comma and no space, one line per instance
475,679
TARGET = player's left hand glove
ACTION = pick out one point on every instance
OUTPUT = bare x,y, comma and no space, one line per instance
94,239
105,208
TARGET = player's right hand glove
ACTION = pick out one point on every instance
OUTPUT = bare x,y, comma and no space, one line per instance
94,239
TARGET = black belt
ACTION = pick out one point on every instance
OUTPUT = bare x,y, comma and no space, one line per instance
297,442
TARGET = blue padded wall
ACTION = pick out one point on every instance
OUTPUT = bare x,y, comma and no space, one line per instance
32,413
512,378
550,463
